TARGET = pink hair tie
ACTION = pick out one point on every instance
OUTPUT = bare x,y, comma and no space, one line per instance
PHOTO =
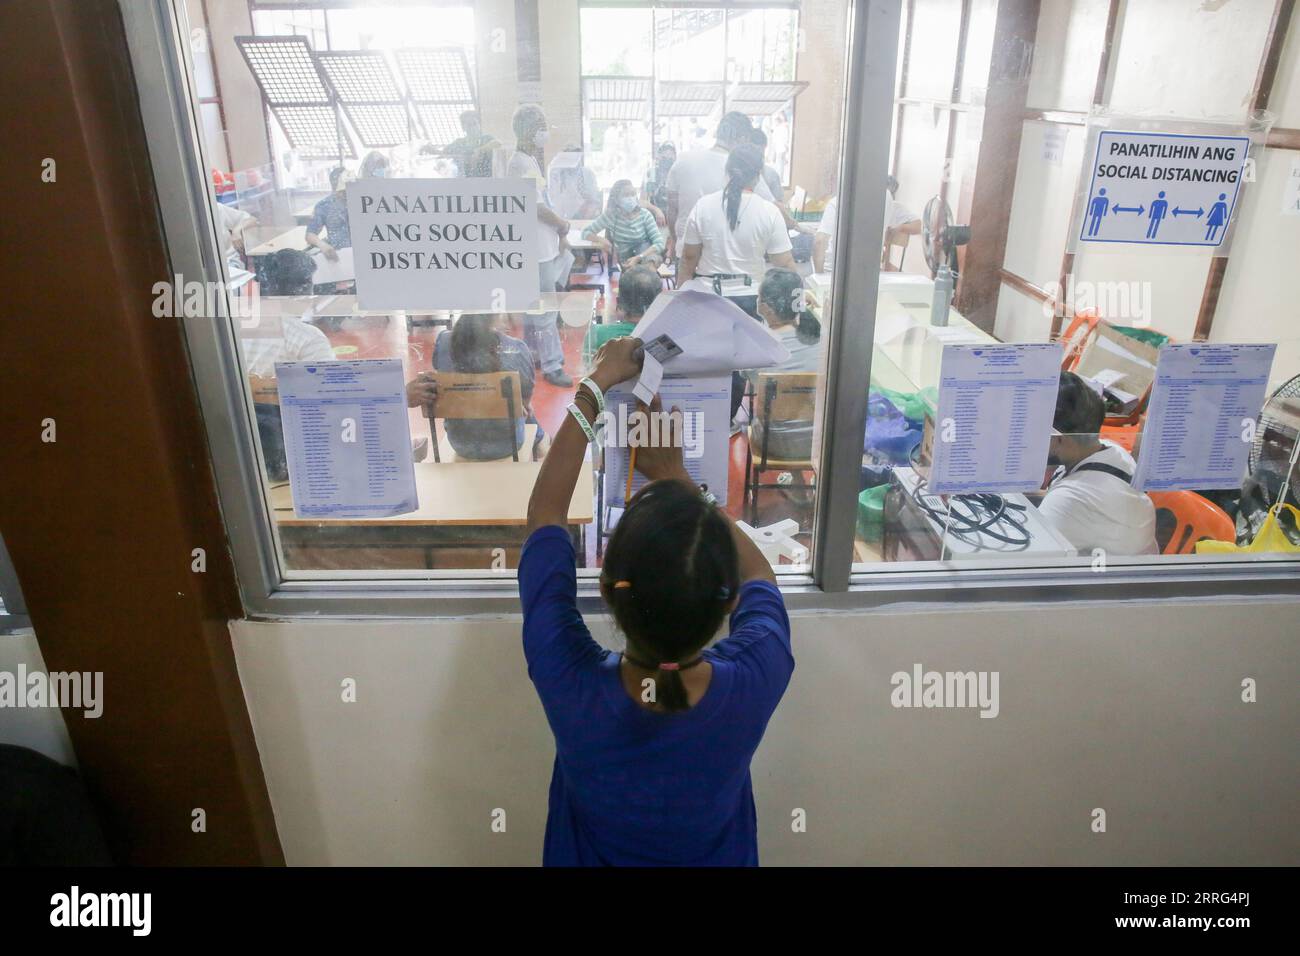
670,666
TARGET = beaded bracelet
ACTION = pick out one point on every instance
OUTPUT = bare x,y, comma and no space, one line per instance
595,392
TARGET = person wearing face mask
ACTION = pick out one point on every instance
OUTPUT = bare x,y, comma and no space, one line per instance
656,183
631,229
1091,500
531,134
572,189
374,166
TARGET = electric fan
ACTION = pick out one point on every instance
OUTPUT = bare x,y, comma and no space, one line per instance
1274,474
939,241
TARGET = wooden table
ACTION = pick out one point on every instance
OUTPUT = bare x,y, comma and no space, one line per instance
295,238
462,504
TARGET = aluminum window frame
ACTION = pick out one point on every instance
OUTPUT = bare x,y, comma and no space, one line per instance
156,32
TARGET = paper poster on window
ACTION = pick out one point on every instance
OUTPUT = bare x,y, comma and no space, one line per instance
1201,417
467,244
996,405
1161,189
346,438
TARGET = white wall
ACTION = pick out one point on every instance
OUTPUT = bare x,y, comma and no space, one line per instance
1192,60
1134,709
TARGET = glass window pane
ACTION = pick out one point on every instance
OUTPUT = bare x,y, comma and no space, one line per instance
594,107
1165,424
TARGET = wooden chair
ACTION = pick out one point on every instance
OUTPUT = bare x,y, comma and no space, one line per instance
477,396
780,397
894,239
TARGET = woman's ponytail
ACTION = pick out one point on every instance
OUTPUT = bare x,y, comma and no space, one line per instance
744,165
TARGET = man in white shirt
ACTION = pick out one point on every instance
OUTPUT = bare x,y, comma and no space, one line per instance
699,172
1091,500
898,218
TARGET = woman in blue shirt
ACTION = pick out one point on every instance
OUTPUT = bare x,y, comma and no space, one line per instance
653,745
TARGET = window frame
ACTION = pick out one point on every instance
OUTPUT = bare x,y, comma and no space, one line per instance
156,30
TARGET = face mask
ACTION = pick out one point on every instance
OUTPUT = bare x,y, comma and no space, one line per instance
627,203
541,137
381,172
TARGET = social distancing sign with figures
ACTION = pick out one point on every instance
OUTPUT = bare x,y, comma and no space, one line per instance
1162,189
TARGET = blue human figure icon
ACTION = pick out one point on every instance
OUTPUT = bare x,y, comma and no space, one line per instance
1159,209
1218,216
1097,209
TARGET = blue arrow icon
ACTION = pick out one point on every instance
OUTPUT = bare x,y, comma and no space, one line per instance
1119,209
1198,213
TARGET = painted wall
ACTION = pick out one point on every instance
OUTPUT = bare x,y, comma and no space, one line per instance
1133,709
1193,60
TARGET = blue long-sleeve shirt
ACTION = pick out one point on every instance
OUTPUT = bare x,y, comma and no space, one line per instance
632,786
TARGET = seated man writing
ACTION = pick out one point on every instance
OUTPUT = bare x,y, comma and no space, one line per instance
1091,500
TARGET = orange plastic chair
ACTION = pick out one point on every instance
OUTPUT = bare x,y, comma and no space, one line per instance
1073,341
1195,519
1126,436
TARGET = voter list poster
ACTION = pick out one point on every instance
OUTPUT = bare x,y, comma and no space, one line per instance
1162,189
468,244
1201,417
346,438
995,411
705,404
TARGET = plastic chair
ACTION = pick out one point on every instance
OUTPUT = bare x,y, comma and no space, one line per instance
1190,518
1074,341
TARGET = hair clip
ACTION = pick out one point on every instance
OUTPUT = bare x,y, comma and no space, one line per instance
622,584
724,593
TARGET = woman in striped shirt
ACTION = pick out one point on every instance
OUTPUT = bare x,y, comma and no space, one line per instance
632,230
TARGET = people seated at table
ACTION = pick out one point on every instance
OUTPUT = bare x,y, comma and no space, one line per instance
732,235
899,220
699,172
232,222
1090,499
626,228
330,216
571,186
638,287
477,344
288,272
531,134
783,306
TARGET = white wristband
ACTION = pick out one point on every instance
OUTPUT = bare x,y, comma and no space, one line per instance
581,419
